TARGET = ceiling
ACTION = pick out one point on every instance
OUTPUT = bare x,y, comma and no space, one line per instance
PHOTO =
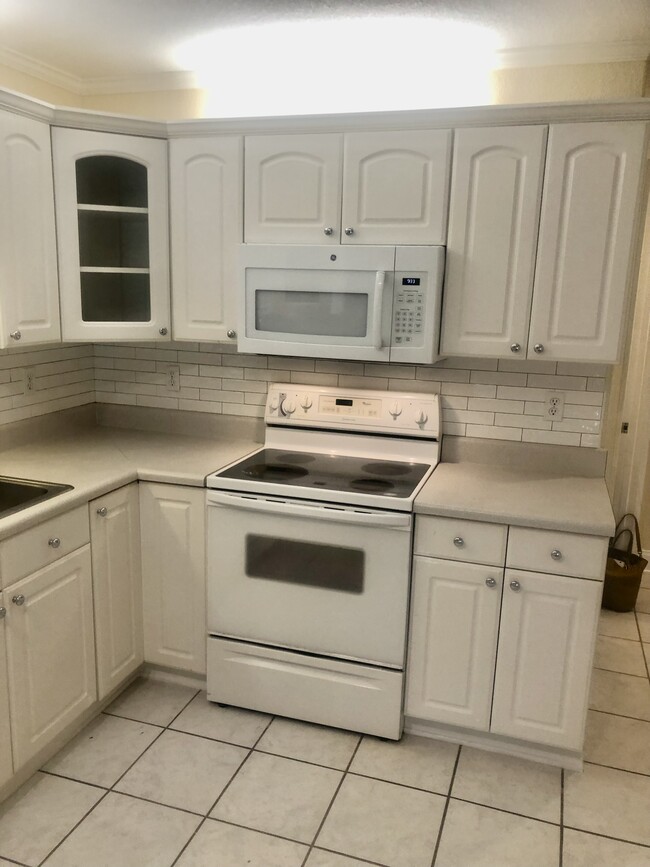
89,45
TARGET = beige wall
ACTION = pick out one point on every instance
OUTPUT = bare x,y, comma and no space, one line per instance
644,519
156,105
11,79
562,83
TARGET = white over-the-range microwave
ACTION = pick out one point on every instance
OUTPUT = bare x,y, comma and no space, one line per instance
366,303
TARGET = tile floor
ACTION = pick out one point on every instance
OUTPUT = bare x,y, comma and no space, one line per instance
163,778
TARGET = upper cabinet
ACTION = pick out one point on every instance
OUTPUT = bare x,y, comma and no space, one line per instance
206,180
358,188
111,208
29,292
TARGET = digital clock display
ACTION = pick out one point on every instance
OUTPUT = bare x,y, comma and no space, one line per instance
340,401
410,281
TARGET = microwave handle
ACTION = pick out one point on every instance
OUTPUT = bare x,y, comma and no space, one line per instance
377,309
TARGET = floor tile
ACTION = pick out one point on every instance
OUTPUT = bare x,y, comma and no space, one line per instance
309,743
645,580
38,816
224,845
643,600
383,822
183,771
588,850
646,650
617,654
609,802
618,742
620,693
509,783
104,750
280,796
617,624
420,762
321,858
126,832
644,625
481,837
152,701
236,726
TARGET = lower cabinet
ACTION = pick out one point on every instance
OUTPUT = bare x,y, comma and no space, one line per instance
6,763
172,521
117,584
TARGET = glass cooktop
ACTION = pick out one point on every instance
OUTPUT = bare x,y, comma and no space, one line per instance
328,472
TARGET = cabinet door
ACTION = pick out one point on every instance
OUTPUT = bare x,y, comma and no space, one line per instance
496,192
117,585
546,644
206,227
51,652
6,763
395,187
452,643
112,227
29,289
293,189
173,575
592,189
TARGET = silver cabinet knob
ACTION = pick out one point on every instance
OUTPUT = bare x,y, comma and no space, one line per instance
491,582
162,331
555,554
3,612
515,347
539,348
515,585
231,333
328,230
349,230
15,335
102,512
18,600
459,542
55,542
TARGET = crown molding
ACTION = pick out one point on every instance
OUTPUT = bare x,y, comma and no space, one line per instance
573,54
147,83
43,71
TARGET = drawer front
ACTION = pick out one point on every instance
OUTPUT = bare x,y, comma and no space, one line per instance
457,539
37,547
557,553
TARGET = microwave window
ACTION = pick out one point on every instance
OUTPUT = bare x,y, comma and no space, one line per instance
328,314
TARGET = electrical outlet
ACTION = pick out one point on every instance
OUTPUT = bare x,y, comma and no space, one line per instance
28,380
173,381
554,406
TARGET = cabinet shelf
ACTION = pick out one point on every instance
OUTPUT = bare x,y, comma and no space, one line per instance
113,209
87,269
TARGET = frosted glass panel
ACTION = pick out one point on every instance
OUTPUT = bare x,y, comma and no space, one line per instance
109,239
115,297
332,314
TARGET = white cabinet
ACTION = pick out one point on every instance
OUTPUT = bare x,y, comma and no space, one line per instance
173,575
206,191
359,188
117,586
494,208
51,652
112,229
592,187
6,762
546,642
29,291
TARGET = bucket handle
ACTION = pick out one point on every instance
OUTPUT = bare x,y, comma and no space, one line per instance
619,532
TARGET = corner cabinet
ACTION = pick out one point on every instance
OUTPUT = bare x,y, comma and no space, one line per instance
29,289
111,210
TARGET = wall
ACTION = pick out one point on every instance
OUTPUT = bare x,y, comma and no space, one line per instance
644,518
480,397
584,81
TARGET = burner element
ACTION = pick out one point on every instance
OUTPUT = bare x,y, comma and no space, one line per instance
386,468
274,472
372,486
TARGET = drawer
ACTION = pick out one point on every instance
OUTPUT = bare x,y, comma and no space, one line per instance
457,539
557,553
29,551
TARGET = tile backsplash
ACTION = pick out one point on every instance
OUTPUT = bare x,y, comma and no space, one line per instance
499,399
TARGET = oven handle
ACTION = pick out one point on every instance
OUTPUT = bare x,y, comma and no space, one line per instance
377,309
316,512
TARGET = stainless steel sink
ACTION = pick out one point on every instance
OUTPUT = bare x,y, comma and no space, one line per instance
17,494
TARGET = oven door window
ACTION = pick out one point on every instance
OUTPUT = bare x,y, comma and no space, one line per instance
309,564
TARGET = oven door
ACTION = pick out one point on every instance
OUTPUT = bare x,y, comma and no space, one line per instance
331,580
332,302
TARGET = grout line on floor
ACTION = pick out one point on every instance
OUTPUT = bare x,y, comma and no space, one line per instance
503,810
645,657
394,783
606,836
616,671
344,855
622,715
74,828
446,807
73,779
614,768
158,803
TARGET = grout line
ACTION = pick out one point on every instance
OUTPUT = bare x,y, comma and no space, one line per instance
561,817
350,857
73,780
446,808
394,783
503,810
621,715
157,803
74,828
645,657
615,671
614,768
607,836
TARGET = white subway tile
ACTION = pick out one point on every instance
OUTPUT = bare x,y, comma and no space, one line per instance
200,357
579,425
148,353
442,374
469,390
504,419
301,378
151,378
243,409
539,380
466,363
281,363
453,429
493,433
466,417
524,365
266,375
158,402
200,406
421,386
248,385
241,360
556,437
229,372
451,402
216,395
595,384
578,368
590,441
393,371
256,399
487,377
201,381
487,405
376,382
327,365
572,410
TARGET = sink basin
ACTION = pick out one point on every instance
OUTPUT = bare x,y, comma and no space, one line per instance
16,494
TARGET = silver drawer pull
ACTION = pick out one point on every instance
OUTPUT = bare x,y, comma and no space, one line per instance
459,542
3,612
555,554
515,347
15,335
491,582
55,542
539,348
515,585
102,511
18,600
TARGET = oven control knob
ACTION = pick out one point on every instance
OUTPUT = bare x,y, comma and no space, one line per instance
287,407
395,410
274,403
421,418
306,402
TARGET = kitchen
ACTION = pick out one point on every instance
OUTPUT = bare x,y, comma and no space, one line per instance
144,388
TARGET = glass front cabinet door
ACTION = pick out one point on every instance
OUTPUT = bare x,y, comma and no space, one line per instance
111,206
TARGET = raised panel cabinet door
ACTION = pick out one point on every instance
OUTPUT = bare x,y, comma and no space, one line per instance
51,652
496,190
117,586
206,192
173,575
396,187
292,189
6,762
112,235
452,643
29,286
590,212
544,660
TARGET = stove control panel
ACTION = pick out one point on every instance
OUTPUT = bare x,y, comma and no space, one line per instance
410,414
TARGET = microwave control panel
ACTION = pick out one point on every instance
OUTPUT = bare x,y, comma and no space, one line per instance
417,298
409,303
